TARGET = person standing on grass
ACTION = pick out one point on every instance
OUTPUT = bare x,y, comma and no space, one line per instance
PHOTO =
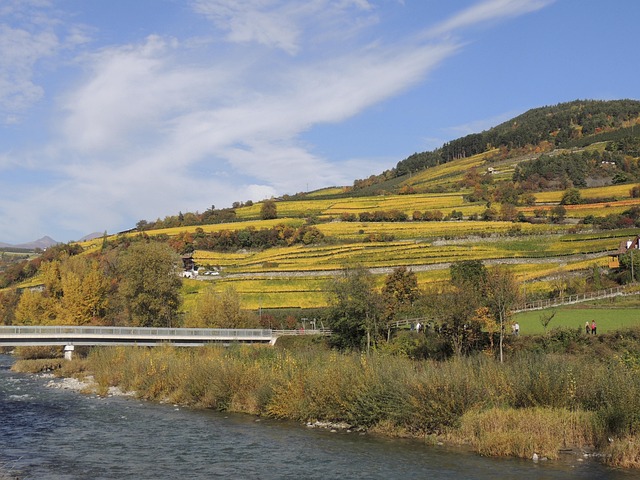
516,328
593,327
587,328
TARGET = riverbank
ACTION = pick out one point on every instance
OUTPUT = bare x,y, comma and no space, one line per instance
534,405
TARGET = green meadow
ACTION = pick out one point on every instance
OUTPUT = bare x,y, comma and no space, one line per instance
610,315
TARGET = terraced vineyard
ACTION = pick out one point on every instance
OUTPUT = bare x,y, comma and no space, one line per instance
296,276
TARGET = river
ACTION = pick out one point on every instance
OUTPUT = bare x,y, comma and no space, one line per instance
52,433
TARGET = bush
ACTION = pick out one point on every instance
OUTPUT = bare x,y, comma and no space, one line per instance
44,351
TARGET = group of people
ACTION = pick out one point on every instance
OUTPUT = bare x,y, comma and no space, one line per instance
590,328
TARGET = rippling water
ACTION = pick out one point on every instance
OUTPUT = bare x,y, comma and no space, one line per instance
59,434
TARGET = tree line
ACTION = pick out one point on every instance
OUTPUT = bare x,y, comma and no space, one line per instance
133,284
210,216
468,314
249,238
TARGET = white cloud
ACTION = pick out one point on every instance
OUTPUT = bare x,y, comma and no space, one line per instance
147,115
488,11
30,34
283,24
143,117
20,50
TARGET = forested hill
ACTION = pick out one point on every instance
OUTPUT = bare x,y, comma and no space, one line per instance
543,129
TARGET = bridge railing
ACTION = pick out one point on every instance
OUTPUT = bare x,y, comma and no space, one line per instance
302,331
52,331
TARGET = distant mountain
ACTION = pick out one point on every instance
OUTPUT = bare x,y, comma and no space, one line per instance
46,242
91,236
42,243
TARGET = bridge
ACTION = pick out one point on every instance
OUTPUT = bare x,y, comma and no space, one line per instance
182,337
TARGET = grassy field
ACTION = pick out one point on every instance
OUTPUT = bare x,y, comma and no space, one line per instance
618,191
610,315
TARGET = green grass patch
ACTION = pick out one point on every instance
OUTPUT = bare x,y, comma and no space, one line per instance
609,316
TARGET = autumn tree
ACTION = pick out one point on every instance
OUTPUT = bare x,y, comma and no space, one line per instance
219,310
35,308
457,309
354,309
508,212
399,292
75,292
453,315
269,210
468,274
149,284
557,213
502,294
571,197
85,290
8,301
483,317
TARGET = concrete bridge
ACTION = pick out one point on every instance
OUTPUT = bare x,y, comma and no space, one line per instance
183,337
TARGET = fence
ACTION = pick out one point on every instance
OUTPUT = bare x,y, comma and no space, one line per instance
571,299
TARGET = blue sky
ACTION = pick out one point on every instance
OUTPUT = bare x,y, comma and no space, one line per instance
114,111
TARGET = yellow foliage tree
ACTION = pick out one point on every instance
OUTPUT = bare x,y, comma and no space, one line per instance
487,322
219,310
34,308
75,293
84,289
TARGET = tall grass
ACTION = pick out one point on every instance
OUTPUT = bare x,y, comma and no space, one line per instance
522,432
533,403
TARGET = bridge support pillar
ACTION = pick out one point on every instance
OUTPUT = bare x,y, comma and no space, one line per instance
68,352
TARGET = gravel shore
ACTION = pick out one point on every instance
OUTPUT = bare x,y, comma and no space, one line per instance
86,385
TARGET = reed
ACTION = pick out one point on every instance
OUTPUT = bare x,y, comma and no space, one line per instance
533,403
623,453
525,431
38,365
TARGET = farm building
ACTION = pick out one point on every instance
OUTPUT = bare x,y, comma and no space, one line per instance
624,247
189,265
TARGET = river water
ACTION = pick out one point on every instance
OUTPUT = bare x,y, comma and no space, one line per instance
53,433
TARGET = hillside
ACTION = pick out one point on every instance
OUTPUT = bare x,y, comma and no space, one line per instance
551,210
564,126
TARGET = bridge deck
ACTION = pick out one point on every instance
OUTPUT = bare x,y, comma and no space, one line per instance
68,335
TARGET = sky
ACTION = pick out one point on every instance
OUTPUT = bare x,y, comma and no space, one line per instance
116,111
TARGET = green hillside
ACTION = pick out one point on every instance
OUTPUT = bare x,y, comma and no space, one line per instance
550,193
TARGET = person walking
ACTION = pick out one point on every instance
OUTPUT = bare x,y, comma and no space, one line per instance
587,328
593,327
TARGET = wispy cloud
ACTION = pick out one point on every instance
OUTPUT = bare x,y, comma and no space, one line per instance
283,24
151,116
486,12
28,36
166,123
